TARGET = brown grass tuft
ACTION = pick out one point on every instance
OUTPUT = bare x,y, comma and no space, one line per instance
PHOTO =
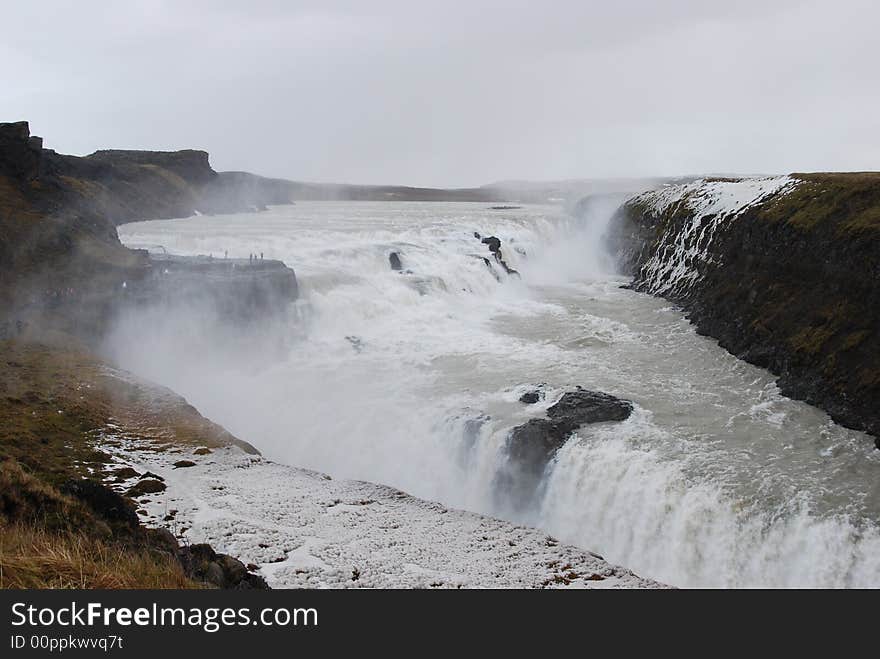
33,558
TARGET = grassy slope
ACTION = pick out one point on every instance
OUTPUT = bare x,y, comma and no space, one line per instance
849,201
53,404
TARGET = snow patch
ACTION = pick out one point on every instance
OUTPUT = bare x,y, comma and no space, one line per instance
712,203
304,529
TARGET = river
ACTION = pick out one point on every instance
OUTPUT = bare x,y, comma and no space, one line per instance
412,379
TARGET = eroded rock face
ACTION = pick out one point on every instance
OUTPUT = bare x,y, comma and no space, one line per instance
20,153
494,244
237,289
61,261
531,446
788,282
535,442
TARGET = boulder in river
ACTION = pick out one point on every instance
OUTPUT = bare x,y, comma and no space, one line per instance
494,244
532,445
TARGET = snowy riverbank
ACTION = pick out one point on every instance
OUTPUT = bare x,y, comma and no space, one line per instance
303,529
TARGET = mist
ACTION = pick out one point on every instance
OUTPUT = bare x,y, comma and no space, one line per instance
338,380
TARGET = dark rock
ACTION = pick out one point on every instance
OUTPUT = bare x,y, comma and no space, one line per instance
180,464
162,537
580,407
203,450
146,486
106,503
493,243
125,473
477,236
150,474
20,154
394,259
202,563
212,573
233,569
60,252
532,445
507,268
236,289
531,397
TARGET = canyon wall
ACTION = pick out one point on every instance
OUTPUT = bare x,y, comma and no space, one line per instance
783,271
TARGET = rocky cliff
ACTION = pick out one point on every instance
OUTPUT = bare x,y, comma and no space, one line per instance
126,186
783,271
68,517
61,262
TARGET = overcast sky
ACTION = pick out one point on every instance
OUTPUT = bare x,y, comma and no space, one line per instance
454,93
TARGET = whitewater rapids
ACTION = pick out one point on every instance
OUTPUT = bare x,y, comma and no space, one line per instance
412,379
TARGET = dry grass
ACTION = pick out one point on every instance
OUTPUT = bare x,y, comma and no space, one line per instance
49,540
27,499
34,558
850,202
54,401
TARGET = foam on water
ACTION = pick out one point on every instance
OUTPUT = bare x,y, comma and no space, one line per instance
413,380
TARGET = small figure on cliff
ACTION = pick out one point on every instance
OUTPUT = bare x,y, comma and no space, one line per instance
261,256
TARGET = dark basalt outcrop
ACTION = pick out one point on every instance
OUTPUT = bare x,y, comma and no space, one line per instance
236,289
494,244
19,152
202,563
61,261
394,261
791,284
533,444
127,186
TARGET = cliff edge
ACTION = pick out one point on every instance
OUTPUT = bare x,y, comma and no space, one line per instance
61,261
69,516
783,271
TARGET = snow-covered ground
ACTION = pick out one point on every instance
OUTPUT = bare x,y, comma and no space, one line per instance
304,529
712,203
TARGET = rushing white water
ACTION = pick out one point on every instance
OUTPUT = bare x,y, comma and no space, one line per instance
413,379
